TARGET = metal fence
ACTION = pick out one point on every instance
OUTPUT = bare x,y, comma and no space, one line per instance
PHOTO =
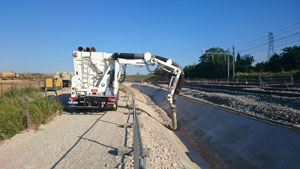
139,154
261,81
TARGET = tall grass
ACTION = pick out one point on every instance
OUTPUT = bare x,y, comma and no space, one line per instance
138,78
13,114
295,73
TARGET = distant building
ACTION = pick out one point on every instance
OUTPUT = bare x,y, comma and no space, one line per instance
66,76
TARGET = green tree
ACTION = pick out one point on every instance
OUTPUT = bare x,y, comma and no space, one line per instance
260,67
288,60
190,71
291,58
213,64
244,63
275,64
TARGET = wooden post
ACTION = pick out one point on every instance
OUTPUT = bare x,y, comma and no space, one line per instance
57,100
2,88
47,99
27,112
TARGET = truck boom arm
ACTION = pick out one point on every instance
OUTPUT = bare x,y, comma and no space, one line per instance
176,81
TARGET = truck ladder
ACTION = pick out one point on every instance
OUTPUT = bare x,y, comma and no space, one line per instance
85,72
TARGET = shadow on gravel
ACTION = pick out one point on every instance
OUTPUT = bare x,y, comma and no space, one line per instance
97,142
119,125
78,140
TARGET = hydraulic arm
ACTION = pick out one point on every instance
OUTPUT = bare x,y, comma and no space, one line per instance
168,65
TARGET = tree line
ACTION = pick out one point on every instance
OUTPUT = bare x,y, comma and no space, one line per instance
213,63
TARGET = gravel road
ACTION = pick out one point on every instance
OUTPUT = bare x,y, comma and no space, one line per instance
89,141
70,141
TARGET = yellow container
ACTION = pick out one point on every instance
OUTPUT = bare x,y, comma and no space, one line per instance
59,82
49,83
8,75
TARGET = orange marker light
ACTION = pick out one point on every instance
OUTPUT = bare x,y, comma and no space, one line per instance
75,54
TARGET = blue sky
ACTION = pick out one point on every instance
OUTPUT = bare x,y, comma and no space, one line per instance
39,36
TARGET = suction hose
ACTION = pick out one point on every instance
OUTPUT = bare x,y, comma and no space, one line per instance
178,87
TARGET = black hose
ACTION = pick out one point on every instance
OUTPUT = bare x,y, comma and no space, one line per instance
141,56
128,56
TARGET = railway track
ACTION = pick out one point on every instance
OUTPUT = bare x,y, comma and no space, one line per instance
252,109
232,110
246,89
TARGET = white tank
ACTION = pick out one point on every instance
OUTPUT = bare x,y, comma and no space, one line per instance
94,74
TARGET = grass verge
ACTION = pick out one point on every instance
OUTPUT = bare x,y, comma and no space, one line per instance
146,78
295,73
13,112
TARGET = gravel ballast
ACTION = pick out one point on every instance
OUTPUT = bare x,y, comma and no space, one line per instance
280,109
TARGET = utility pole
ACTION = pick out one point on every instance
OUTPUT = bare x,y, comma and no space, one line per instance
228,72
271,45
233,69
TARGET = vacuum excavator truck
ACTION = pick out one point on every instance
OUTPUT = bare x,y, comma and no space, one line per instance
95,84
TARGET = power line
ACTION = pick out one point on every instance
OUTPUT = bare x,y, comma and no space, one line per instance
263,37
288,31
254,47
287,36
275,46
258,44
288,27
276,32
275,40
265,40
288,43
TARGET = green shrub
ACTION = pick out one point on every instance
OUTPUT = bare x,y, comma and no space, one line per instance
13,113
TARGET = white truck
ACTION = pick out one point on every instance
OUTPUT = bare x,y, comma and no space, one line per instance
95,84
